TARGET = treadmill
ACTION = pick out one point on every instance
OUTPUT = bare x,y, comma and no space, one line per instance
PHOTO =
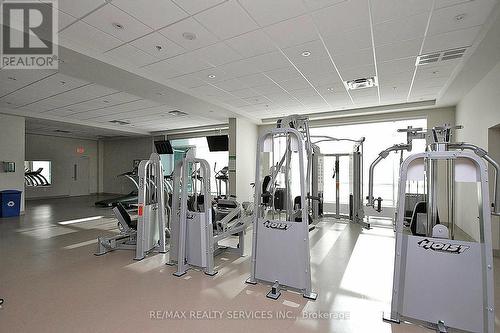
127,200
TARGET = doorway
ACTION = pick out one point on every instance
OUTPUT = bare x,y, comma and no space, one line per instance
80,177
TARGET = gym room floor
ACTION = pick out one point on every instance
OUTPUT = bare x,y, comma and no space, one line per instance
52,282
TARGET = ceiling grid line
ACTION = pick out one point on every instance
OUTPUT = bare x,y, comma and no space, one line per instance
373,47
54,95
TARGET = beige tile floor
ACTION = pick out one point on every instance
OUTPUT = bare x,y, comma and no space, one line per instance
52,282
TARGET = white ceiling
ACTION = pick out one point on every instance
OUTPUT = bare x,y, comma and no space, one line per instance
254,49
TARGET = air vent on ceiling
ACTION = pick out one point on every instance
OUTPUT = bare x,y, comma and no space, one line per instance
119,122
362,83
178,113
62,131
431,58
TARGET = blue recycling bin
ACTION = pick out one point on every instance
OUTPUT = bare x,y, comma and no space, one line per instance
10,203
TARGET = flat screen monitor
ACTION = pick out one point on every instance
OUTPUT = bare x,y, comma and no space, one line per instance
218,143
163,147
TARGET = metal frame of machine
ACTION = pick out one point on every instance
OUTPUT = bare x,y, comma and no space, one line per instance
151,221
280,252
443,301
195,237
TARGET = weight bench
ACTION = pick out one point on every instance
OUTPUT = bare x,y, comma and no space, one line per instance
127,238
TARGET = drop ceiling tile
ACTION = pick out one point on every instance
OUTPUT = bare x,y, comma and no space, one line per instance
252,43
282,74
226,20
13,79
150,42
240,68
244,93
348,41
398,50
270,89
269,61
207,75
231,85
84,93
78,8
237,103
63,20
315,48
346,15
476,12
293,31
211,91
354,59
357,72
304,93
52,85
395,79
120,111
295,84
385,10
256,100
131,55
188,81
163,70
327,79
448,3
179,65
267,12
104,18
195,6
400,29
154,13
396,66
320,67
255,80
451,40
189,25
218,54
89,37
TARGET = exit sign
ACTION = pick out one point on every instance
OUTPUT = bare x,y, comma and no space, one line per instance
80,150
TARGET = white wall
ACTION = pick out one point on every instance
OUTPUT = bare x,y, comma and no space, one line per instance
478,111
246,146
119,156
62,152
12,150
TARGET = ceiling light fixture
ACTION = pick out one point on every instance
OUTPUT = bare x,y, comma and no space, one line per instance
177,113
117,25
330,89
362,83
12,78
306,53
459,17
62,82
158,47
211,76
189,35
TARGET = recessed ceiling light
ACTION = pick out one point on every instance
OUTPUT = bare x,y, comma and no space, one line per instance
158,47
12,78
189,36
435,72
62,82
330,89
211,76
117,25
459,17
306,53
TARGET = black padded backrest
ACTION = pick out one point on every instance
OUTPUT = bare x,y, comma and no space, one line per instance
265,183
420,207
126,216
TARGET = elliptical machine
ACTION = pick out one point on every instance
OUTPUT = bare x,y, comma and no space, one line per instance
459,294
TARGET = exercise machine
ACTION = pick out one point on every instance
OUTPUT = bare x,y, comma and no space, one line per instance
199,223
35,178
126,200
222,177
280,252
354,211
149,231
458,292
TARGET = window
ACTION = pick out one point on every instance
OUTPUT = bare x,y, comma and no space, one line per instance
379,136
217,160
37,173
